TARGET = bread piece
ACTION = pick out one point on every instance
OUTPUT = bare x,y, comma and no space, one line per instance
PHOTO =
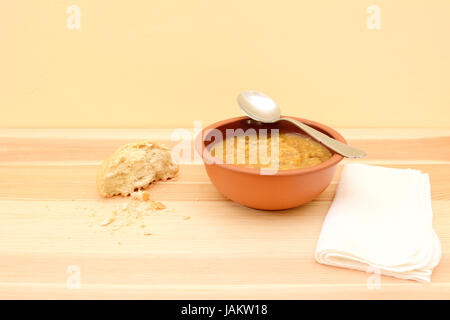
133,167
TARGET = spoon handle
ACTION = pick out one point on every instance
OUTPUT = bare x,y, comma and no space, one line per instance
337,146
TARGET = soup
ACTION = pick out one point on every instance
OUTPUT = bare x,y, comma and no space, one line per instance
295,151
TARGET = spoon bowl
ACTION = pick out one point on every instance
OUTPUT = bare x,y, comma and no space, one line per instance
259,107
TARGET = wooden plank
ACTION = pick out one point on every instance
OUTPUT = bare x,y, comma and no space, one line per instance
23,290
78,182
164,133
92,149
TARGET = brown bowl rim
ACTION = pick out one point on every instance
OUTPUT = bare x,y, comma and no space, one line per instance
335,159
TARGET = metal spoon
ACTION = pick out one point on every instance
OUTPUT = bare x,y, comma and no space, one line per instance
260,107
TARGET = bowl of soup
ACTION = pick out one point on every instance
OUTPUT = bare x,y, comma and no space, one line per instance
269,166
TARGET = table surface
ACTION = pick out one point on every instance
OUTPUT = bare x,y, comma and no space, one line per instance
204,246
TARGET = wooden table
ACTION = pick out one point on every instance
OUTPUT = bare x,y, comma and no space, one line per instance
205,246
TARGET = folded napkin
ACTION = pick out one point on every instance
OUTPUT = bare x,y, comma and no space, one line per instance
381,218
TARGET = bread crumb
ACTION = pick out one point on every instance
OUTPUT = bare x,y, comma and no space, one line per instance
167,210
141,195
145,196
187,218
147,234
157,205
107,221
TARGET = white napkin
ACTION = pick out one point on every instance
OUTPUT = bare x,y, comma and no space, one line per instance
381,218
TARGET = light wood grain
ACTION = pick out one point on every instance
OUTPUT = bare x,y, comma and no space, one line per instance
50,214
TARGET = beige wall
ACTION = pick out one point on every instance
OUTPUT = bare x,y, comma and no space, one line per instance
164,63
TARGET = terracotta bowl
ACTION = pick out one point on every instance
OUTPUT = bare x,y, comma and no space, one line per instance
282,190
